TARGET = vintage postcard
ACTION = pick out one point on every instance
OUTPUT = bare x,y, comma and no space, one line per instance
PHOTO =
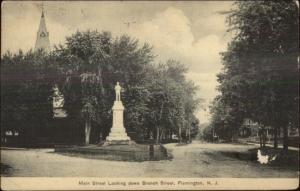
149,95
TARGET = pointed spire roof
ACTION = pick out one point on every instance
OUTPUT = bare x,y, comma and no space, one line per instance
42,26
42,40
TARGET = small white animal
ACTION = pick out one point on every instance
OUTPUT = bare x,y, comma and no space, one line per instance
263,159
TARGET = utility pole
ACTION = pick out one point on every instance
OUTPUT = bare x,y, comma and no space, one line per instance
129,23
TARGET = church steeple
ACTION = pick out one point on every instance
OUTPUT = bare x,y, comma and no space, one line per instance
42,39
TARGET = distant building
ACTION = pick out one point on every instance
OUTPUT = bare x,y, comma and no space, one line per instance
249,128
42,39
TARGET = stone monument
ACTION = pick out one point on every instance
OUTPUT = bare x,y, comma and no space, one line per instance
117,145
117,133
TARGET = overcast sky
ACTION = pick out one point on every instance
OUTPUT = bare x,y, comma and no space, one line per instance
192,32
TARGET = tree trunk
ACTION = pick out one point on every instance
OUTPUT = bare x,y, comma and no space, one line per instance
260,135
157,129
101,82
100,137
87,131
157,135
186,134
189,134
275,138
260,141
148,134
179,134
161,137
264,136
285,138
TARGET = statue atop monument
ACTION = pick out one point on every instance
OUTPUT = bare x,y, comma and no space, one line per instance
118,92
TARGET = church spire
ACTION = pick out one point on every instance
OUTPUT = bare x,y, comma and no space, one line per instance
42,39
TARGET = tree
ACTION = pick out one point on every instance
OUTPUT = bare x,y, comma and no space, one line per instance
26,94
259,79
89,101
172,102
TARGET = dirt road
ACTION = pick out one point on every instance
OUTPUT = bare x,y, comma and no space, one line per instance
193,160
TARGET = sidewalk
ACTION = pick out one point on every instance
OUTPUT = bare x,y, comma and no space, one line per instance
12,148
270,145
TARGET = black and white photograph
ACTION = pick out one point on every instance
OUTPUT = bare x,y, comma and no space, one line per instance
159,95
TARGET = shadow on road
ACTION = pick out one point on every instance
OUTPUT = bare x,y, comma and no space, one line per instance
6,170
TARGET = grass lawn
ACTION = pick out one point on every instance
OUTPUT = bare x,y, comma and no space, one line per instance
132,152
